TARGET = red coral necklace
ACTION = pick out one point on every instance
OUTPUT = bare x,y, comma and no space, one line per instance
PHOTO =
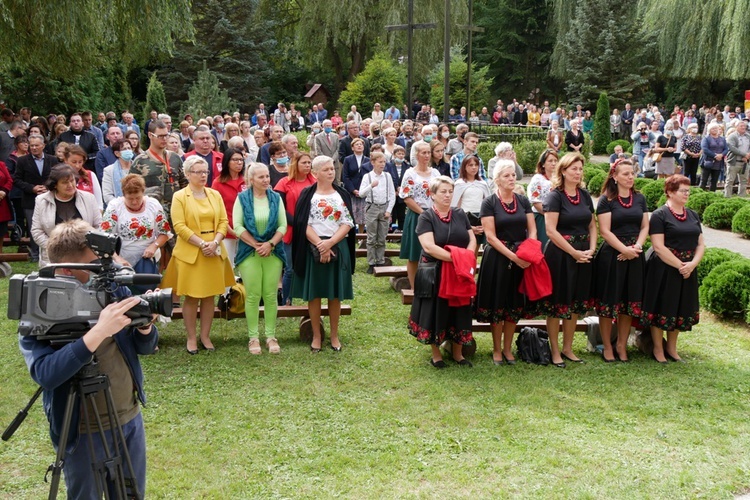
626,205
680,217
507,207
575,200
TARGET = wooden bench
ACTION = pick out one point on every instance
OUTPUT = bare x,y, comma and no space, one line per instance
389,252
24,241
14,257
302,312
392,237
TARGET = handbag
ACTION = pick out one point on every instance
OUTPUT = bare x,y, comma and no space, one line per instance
656,157
474,219
532,346
316,254
425,281
233,300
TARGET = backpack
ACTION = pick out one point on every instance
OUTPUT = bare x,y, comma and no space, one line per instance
532,345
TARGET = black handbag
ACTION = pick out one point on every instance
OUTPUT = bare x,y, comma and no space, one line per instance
533,346
425,281
316,254
474,219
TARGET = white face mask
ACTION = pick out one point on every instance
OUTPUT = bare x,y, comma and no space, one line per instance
445,135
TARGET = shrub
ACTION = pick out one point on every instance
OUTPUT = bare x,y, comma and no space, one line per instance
597,182
719,214
602,134
528,153
741,221
381,80
589,172
301,136
626,146
662,200
712,258
642,182
486,151
700,201
603,166
726,289
653,192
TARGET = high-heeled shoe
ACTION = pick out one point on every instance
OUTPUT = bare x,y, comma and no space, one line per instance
572,360
614,358
337,349
510,362
672,358
499,362
561,364
464,362
439,364
192,352
314,350
660,362
209,349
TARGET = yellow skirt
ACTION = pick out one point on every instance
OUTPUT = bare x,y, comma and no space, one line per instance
207,277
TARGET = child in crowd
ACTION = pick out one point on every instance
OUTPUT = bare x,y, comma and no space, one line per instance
378,190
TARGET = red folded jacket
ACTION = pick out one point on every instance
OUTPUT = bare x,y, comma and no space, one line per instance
457,283
537,280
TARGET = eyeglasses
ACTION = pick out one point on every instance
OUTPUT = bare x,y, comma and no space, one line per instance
683,191
238,160
160,136
199,172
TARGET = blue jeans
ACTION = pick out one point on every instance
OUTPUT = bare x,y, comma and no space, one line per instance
79,477
288,277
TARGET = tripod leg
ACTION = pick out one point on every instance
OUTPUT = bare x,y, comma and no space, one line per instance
57,466
129,482
98,472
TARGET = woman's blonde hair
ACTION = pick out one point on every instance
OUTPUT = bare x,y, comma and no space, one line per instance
194,160
437,181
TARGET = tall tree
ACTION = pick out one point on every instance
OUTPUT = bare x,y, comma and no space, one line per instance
599,53
480,84
602,134
381,81
71,37
155,98
234,46
341,35
516,45
206,97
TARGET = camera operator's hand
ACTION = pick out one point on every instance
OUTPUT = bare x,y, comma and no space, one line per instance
112,319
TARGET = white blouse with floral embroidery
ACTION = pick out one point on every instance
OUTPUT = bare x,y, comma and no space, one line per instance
537,190
327,213
414,186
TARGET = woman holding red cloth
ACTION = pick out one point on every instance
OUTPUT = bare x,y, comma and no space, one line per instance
620,266
433,320
571,228
507,220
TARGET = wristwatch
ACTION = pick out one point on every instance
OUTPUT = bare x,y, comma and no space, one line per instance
273,245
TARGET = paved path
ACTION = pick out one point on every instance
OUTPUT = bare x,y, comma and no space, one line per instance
726,239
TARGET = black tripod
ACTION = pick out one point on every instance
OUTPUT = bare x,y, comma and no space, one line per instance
108,472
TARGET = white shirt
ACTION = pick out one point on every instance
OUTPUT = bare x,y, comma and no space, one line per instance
382,194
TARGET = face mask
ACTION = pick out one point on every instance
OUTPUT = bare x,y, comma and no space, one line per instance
427,138
668,133
445,135
282,161
398,161
327,130
316,131
220,126
342,133
126,154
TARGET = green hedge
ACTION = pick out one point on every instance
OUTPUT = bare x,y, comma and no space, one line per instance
604,166
626,146
741,221
726,289
589,172
301,136
700,201
596,183
486,151
653,192
642,182
712,258
528,153
719,214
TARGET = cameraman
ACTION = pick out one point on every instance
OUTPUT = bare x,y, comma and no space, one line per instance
116,347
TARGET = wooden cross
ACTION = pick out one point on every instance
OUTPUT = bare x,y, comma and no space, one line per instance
410,26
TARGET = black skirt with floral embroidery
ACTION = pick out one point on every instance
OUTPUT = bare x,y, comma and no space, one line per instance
433,321
498,298
571,282
618,284
670,302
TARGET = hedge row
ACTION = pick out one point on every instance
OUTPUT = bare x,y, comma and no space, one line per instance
725,291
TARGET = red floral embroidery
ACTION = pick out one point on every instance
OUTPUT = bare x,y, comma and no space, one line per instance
114,217
410,182
140,231
134,224
106,225
406,190
337,215
322,203
159,218
328,210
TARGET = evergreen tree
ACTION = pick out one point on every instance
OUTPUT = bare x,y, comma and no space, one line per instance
480,84
602,134
206,97
381,81
515,45
599,52
155,98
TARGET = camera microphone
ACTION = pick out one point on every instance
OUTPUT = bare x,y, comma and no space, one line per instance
138,279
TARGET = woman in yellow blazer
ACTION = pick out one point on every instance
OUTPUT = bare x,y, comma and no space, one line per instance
199,268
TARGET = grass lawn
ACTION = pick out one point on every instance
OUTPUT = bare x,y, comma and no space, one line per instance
377,421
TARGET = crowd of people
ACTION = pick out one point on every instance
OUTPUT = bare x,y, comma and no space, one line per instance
232,197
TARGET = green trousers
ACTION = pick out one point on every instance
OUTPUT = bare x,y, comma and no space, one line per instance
260,275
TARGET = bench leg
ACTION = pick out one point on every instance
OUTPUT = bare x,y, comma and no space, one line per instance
306,332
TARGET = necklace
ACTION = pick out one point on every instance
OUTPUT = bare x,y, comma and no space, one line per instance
507,207
445,219
137,210
574,200
680,217
626,205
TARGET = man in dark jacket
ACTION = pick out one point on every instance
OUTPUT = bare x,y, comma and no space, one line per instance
77,135
116,347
